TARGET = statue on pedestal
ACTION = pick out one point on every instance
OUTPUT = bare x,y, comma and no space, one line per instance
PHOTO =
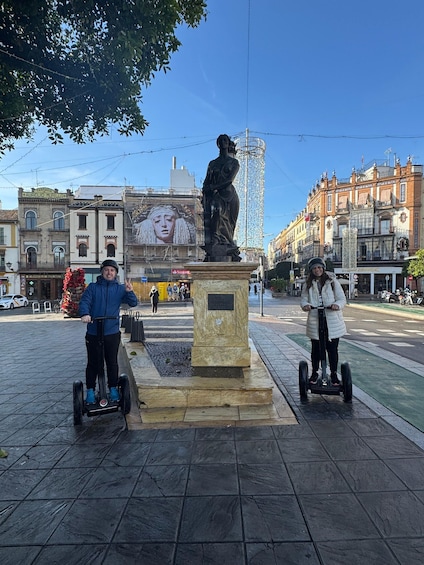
221,204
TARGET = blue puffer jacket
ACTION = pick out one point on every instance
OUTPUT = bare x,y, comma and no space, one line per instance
104,298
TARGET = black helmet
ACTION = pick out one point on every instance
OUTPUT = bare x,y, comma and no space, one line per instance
109,263
314,262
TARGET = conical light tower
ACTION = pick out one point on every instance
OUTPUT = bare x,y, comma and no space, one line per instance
250,186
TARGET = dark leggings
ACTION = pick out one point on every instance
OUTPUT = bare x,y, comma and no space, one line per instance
111,347
332,348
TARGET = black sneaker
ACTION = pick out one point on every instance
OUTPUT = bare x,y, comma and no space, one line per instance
334,379
313,379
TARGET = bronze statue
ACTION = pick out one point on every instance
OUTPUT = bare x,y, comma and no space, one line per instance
221,204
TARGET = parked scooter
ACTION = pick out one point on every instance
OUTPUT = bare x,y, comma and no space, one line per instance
388,296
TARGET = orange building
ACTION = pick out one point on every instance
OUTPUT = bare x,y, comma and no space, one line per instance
381,206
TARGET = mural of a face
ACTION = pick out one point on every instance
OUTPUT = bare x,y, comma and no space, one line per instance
163,221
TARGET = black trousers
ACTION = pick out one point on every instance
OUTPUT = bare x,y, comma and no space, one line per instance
111,347
332,348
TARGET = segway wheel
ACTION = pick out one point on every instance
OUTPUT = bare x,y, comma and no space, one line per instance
125,402
303,379
346,382
78,402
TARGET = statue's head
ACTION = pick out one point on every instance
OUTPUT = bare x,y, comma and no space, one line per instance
223,140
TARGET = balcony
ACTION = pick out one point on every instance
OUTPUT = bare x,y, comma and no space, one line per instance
42,267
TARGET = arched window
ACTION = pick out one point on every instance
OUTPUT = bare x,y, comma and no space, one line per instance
30,220
31,255
58,221
111,250
82,250
59,256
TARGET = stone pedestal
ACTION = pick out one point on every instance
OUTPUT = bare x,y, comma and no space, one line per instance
220,332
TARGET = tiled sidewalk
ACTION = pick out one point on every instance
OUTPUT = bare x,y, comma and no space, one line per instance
342,487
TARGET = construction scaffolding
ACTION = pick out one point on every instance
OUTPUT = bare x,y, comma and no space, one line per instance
250,186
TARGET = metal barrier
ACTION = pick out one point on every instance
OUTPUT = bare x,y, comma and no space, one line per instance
36,307
47,306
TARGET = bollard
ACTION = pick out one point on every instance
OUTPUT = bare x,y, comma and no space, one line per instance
128,324
124,319
137,331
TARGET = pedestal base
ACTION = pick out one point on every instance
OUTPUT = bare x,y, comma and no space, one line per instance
220,331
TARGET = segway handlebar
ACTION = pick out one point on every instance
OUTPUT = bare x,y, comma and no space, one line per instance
103,318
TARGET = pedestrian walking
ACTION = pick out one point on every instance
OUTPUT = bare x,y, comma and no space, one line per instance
154,299
175,292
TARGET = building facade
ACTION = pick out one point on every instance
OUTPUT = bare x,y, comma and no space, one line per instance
9,252
43,242
380,205
96,222
163,233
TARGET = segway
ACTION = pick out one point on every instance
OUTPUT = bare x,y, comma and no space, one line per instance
103,404
323,384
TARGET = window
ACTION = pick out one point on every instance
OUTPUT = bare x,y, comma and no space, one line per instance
342,203
110,222
30,220
2,237
384,227
82,221
59,256
58,221
329,203
82,249
341,228
111,250
362,198
386,196
402,195
31,254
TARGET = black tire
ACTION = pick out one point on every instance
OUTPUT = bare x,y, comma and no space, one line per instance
303,379
11,306
124,386
78,402
346,382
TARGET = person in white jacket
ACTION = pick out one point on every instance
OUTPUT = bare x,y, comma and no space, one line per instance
322,289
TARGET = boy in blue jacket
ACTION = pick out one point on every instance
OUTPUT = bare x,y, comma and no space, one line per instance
104,298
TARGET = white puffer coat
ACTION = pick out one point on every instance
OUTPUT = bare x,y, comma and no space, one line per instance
332,293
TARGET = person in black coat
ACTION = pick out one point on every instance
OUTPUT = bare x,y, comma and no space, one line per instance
154,299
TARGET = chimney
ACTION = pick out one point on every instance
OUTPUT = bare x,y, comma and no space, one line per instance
174,163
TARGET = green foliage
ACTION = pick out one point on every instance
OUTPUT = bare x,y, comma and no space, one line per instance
282,270
76,67
415,267
278,285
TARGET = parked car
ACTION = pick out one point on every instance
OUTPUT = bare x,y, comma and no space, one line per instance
10,301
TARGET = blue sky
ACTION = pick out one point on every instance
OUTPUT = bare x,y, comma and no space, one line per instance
328,85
